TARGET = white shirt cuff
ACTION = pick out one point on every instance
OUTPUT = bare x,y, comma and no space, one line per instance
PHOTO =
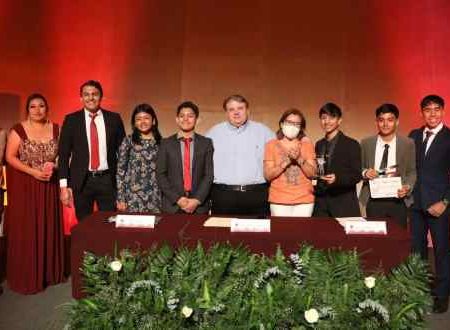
63,183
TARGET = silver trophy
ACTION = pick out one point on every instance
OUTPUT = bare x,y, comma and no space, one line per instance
321,161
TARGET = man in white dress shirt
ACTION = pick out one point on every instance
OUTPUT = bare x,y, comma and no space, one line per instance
388,154
87,151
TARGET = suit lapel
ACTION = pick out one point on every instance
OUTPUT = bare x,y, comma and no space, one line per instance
435,143
372,149
399,150
178,157
197,148
400,155
336,151
107,120
84,136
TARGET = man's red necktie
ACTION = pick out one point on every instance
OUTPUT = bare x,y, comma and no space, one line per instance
187,165
95,155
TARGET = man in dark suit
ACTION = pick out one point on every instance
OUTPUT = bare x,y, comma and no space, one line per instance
432,194
88,148
336,190
388,154
184,168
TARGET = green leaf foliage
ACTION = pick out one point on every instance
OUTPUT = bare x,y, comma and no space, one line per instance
224,287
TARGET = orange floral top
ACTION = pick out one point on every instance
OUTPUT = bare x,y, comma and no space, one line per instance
292,186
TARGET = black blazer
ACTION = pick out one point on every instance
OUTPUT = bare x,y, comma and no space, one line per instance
169,172
345,163
433,170
73,151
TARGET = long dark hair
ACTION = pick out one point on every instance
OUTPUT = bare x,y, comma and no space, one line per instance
147,108
287,113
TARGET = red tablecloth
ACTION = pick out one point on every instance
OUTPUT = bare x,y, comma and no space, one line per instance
378,251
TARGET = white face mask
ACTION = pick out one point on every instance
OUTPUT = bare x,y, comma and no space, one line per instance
290,131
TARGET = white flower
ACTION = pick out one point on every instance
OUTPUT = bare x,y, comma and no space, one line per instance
186,311
312,315
116,265
370,282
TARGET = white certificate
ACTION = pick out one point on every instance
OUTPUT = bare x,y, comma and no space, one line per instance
385,187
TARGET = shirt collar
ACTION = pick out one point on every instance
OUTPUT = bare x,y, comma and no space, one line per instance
391,143
239,129
335,138
88,113
180,136
433,130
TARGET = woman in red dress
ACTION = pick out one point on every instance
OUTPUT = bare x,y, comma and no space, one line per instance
33,217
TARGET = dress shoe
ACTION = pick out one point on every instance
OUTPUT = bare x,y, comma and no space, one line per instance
440,305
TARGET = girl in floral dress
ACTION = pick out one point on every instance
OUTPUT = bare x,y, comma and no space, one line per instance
137,189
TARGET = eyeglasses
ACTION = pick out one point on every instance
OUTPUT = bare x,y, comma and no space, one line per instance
292,123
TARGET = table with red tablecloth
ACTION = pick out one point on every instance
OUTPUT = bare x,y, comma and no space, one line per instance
377,251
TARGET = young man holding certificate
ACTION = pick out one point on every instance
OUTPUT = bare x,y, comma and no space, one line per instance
388,168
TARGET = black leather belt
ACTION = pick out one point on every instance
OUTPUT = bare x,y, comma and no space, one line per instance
387,199
94,174
242,188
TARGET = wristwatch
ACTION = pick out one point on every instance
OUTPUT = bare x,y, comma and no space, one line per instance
445,201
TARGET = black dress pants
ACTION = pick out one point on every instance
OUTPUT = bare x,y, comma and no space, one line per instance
388,207
421,222
232,202
99,189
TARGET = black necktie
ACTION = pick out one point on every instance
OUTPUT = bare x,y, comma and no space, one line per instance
428,134
384,160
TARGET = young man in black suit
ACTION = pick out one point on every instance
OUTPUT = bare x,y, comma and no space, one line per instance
336,190
184,167
432,194
88,148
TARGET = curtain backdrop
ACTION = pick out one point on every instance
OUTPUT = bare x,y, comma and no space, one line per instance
279,54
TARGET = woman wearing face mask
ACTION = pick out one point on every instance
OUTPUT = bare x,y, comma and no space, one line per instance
137,189
289,164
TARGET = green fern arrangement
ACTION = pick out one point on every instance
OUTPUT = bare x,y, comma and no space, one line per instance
230,288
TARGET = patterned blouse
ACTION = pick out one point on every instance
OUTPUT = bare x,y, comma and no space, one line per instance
136,176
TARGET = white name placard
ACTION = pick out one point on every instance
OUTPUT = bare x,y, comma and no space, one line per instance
385,187
250,225
343,221
365,227
135,221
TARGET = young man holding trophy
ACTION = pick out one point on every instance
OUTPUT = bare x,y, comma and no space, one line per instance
339,161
